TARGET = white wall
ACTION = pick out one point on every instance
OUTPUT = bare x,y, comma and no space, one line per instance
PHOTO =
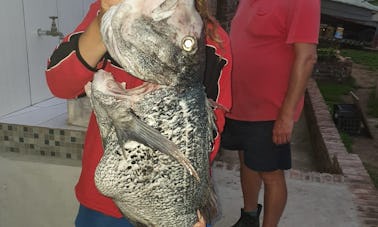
14,78
24,54
38,47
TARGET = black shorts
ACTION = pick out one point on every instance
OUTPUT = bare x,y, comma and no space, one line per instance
255,139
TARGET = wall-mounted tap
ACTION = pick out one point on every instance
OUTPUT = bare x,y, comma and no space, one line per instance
53,31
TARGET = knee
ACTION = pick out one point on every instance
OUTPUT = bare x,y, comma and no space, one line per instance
273,177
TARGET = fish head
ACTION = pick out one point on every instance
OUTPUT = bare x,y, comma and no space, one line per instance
159,41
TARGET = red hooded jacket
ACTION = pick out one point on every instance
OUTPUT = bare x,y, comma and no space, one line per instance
67,73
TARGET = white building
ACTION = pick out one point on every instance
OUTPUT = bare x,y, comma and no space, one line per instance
358,17
24,53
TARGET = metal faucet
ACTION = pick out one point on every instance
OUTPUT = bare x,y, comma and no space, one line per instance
53,31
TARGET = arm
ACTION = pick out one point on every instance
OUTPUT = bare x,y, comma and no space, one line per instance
91,47
74,61
201,221
218,81
305,58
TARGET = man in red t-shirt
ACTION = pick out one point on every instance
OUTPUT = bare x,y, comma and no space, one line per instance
274,49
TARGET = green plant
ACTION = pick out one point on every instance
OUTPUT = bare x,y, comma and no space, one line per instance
373,172
364,57
326,54
347,140
373,105
333,91
374,2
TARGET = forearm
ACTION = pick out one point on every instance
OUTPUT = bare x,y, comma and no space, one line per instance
66,74
73,63
91,47
67,71
301,71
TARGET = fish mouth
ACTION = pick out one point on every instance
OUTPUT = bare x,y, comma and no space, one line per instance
135,94
116,88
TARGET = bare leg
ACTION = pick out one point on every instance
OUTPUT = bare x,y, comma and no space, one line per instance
275,196
250,184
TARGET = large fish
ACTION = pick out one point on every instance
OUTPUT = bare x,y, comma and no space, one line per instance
156,137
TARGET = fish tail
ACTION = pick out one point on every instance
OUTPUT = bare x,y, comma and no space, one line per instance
209,209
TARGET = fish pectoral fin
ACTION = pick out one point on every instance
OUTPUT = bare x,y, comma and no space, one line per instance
137,130
164,10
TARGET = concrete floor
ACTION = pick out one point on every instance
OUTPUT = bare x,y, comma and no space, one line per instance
310,203
302,151
313,200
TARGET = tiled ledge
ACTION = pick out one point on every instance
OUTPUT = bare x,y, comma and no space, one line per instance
41,141
333,157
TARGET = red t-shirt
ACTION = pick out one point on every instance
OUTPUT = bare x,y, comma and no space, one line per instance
262,34
67,74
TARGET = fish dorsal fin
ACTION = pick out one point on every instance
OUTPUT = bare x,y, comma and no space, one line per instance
164,10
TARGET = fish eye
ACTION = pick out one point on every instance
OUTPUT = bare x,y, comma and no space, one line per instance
188,43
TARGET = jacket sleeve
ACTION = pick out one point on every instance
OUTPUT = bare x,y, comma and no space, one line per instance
67,72
217,81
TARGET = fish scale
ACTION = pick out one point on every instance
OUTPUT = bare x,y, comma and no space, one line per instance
123,176
156,137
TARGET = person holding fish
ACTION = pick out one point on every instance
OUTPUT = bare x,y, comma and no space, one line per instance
83,52
274,51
